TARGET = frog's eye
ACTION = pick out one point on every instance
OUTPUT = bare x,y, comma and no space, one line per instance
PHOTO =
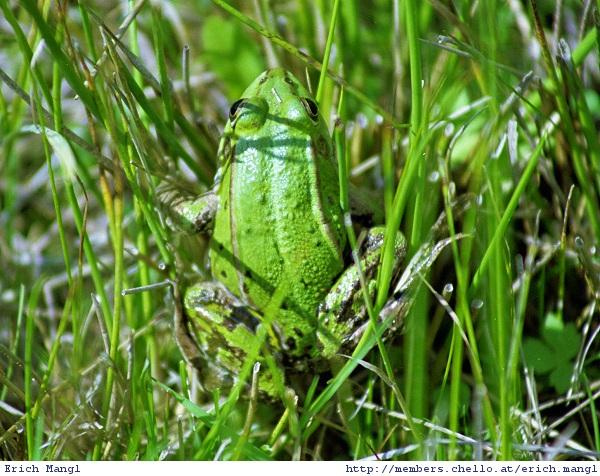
248,114
235,107
311,108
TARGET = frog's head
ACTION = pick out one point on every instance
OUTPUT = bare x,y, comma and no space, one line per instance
275,95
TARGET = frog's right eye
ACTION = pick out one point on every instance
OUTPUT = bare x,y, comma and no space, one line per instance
311,108
248,114
235,107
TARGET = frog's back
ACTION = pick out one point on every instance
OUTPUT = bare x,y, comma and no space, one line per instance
280,227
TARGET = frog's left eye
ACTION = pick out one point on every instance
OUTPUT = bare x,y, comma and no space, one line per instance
311,108
235,107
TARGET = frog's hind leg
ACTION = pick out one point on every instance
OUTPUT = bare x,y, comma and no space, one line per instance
342,316
217,329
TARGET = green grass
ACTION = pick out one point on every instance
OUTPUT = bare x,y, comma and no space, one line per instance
430,104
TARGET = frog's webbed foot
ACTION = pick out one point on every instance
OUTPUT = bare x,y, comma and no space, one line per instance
343,314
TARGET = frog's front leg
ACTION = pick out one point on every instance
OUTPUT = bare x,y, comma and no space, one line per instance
224,331
343,314
193,215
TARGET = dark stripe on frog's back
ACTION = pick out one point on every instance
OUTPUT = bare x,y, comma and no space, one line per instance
221,253
224,255
326,205
233,227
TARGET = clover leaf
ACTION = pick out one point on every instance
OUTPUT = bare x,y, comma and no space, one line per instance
553,353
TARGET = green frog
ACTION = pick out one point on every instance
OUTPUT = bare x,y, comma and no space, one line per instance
277,232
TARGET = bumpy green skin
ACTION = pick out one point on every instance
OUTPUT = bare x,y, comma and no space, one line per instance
279,221
277,230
